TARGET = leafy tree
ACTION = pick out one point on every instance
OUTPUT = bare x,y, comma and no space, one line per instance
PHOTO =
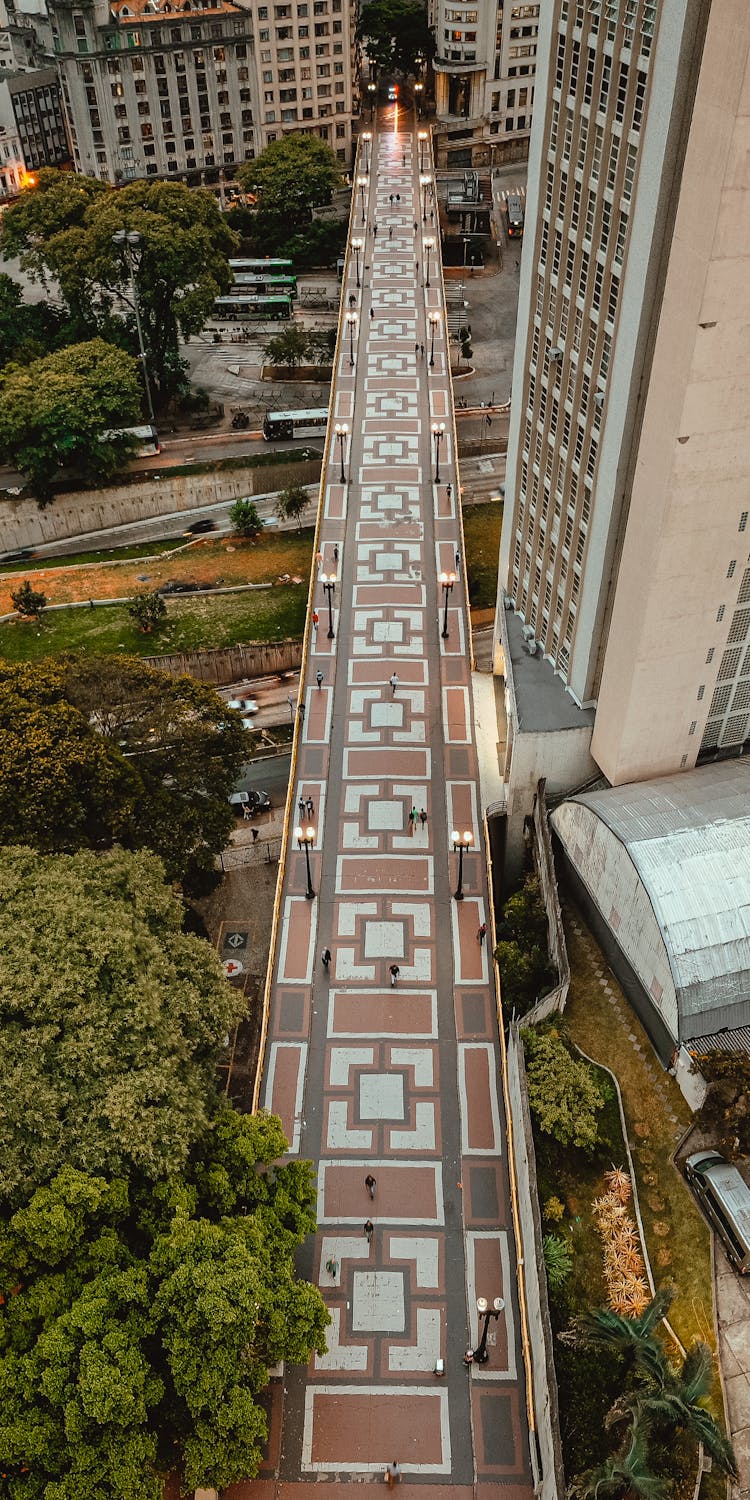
725,1112
110,1037
148,610
141,1319
245,520
54,411
558,1259
290,177
27,329
563,1094
288,348
94,751
64,230
321,346
395,34
291,503
677,1403
28,601
525,967
632,1340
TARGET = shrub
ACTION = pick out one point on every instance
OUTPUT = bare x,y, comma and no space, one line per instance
521,952
28,601
148,610
554,1210
558,1259
563,1093
245,519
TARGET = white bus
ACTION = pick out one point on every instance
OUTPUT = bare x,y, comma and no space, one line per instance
310,422
146,437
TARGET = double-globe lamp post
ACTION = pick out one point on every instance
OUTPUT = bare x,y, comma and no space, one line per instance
305,840
362,185
128,241
366,142
424,183
357,245
328,581
372,89
485,1311
438,433
423,138
351,319
462,842
447,581
434,321
429,246
418,92
342,432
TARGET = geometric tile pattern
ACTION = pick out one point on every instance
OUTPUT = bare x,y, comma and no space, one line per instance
398,1079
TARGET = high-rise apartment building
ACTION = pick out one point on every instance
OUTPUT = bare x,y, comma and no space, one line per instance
625,563
153,89
484,79
36,104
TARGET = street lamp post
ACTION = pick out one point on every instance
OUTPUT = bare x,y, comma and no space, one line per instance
424,183
462,842
128,241
434,322
422,137
366,141
351,319
342,430
328,581
305,840
485,1311
418,91
362,184
372,89
429,245
357,245
438,432
447,581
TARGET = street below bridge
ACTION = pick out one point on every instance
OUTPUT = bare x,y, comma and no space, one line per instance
387,1063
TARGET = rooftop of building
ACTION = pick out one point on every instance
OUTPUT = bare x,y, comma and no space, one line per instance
543,703
156,10
688,836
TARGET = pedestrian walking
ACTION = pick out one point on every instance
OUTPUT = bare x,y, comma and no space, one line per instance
255,832
416,267
482,933
310,808
416,227
394,972
332,1267
319,678
449,489
398,197
336,552
416,350
393,1474
315,619
325,958
302,808
432,216
352,299
390,231
458,560
370,1184
394,684
372,315
374,231
421,350
423,817
301,711
403,160
390,200
369,1228
412,819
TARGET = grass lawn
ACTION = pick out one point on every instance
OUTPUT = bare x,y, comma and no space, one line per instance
482,526
191,624
656,1114
210,561
111,554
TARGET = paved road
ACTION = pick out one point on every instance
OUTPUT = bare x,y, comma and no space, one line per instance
401,1080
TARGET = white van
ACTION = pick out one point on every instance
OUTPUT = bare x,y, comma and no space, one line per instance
724,1197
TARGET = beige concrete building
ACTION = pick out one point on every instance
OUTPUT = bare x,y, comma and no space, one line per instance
624,556
154,88
484,72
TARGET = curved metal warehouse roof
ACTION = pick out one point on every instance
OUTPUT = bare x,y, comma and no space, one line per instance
689,839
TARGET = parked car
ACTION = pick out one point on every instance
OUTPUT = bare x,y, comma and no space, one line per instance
724,1197
244,705
256,801
205,525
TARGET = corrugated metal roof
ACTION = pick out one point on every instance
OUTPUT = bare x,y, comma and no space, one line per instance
721,1041
689,839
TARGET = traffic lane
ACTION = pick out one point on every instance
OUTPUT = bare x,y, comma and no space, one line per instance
275,696
270,775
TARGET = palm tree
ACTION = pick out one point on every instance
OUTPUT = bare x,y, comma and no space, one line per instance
626,1472
677,1404
632,1338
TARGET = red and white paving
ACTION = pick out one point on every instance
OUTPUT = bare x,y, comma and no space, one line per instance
399,1081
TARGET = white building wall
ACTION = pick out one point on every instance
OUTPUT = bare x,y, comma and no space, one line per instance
609,875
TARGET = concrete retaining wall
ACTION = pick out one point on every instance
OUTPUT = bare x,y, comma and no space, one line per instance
551,1481
541,846
232,663
76,512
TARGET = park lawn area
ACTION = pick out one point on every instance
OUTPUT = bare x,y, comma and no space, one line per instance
110,554
482,527
191,625
209,562
677,1236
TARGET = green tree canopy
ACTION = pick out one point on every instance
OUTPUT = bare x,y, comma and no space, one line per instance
291,177
292,502
245,518
141,1320
148,610
395,34
112,1019
563,1093
288,348
54,411
64,230
27,329
96,750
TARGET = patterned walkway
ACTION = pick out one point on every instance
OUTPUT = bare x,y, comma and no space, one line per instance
400,1081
